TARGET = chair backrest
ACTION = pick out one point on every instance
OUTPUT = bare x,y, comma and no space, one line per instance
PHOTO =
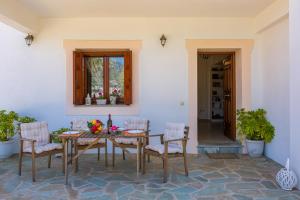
79,125
37,131
174,131
137,123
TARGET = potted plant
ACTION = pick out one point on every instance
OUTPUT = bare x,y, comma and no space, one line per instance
56,133
7,131
9,125
100,99
256,129
114,95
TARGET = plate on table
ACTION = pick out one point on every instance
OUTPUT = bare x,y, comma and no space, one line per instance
71,132
121,129
135,131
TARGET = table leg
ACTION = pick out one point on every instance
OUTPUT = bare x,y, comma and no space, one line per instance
76,153
138,153
142,153
66,160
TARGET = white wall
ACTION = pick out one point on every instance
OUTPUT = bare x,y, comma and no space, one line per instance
270,84
40,73
294,85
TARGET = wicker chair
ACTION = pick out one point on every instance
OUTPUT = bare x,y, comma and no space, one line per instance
35,141
173,144
134,123
82,143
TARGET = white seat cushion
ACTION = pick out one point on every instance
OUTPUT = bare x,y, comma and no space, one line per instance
126,140
172,148
86,141
43,148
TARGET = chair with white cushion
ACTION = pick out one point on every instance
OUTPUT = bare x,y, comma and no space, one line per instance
124,143
35,141
82,143
173,144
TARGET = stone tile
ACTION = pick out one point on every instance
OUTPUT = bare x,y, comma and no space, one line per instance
125,190
166,196
201,179
241,197
269,184
213,175
246,173
224,180
245,186
211,190
97,181
184,189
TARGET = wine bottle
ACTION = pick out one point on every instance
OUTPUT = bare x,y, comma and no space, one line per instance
109,122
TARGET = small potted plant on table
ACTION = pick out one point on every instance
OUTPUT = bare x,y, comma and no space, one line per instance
256,129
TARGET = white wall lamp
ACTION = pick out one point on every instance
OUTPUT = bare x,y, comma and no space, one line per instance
163,40
29,39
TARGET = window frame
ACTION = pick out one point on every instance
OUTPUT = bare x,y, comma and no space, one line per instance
80,73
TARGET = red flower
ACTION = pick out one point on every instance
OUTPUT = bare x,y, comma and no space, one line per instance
94,129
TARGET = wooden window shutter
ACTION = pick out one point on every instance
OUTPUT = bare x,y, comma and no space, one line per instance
78,79
128,78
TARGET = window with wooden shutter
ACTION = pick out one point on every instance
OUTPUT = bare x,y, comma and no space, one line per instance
101,74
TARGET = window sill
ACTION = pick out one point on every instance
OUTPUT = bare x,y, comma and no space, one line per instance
105,106
118,109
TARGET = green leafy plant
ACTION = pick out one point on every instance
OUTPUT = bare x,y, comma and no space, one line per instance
254,125
56,133
7,128
10,123
26,119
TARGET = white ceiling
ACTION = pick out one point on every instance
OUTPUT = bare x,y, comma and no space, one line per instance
146,8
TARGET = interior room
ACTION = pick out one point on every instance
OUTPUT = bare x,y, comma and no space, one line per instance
211,97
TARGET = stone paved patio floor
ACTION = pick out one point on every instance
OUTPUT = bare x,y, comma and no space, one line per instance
238,179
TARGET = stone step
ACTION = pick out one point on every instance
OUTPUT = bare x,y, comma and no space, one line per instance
233,147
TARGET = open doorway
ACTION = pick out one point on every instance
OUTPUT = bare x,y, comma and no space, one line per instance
216,97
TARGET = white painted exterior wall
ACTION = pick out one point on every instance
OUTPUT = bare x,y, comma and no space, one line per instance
294,85
270,83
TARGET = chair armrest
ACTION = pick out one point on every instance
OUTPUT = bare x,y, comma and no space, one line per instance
27,139
174,140
155,135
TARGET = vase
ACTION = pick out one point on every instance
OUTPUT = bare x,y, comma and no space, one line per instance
113,100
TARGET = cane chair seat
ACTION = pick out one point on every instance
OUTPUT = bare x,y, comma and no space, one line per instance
43,148
160,148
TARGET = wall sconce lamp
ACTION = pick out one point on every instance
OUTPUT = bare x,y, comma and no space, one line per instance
163,40
29,39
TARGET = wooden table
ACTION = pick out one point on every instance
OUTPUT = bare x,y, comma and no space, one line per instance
67,138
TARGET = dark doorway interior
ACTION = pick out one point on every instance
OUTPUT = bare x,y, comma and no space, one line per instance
216,98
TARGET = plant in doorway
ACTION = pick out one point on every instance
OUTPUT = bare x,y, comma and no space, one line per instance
256,129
